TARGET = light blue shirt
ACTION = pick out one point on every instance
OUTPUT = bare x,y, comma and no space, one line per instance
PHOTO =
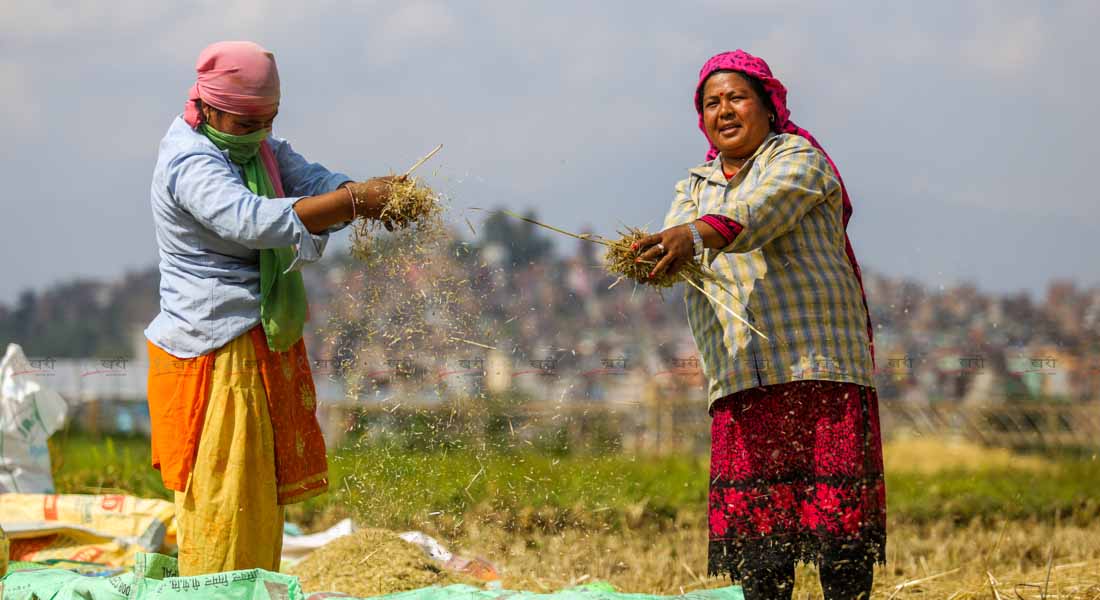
210,229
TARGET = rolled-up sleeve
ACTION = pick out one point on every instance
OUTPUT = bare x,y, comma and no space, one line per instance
206,187
310,249
794,181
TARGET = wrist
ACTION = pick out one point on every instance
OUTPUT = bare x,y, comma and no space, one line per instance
696,239
351,200
363,202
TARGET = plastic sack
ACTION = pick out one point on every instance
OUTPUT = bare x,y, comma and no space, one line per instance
29,415
478,568
253,584
154,577
108,529
3,554
297,546
157,577
75,547
60,584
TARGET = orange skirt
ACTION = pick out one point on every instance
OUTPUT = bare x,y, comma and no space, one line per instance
179,391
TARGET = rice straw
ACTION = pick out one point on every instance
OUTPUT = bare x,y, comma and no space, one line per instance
615,248
423,160
410,202
719,303
458,339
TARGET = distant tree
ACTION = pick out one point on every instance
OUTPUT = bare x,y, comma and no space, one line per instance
522,240
83,318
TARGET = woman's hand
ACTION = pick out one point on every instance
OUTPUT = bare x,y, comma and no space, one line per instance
371,196
671,249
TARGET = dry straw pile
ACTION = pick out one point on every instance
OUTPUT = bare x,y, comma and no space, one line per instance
370,562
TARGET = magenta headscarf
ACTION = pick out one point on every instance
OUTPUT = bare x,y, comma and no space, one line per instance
237,77
743,62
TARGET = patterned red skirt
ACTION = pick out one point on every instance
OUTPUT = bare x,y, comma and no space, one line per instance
796,475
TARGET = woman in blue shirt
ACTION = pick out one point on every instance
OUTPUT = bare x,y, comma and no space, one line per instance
238,213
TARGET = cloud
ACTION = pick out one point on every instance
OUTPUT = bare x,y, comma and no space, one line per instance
30,22
19,110
409,25
1004,46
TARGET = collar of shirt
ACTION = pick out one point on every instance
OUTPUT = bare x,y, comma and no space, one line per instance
712,170
183,133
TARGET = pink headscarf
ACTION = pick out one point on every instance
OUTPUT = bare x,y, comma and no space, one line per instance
237,77
743,62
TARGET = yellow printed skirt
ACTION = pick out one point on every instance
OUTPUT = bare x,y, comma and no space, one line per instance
236,436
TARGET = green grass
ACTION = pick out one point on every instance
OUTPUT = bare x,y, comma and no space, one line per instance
393,486
86,465
1068,493
390,487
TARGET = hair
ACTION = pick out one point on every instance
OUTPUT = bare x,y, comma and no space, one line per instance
756,85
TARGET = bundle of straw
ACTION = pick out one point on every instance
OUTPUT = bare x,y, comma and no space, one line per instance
621,260
410,202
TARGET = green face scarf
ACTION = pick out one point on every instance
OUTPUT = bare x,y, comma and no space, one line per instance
282,295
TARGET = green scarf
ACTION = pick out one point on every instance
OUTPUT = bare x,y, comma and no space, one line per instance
282,295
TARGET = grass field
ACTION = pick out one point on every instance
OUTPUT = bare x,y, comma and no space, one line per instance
963,519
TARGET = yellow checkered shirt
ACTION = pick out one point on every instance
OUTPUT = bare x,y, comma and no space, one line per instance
786,272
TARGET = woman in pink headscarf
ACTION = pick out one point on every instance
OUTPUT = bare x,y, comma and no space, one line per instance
796,457
238,213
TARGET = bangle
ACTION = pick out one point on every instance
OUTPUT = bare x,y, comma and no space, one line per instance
351,195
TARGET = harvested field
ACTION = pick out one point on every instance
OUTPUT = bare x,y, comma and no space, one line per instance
936,560
964,519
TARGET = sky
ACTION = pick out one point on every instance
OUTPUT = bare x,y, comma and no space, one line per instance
965,131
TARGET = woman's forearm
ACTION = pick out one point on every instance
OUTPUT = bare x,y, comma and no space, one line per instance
352,200
320,212
710,235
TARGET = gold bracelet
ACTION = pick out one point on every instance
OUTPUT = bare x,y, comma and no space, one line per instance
351,194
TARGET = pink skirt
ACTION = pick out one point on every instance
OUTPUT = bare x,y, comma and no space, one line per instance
796,475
